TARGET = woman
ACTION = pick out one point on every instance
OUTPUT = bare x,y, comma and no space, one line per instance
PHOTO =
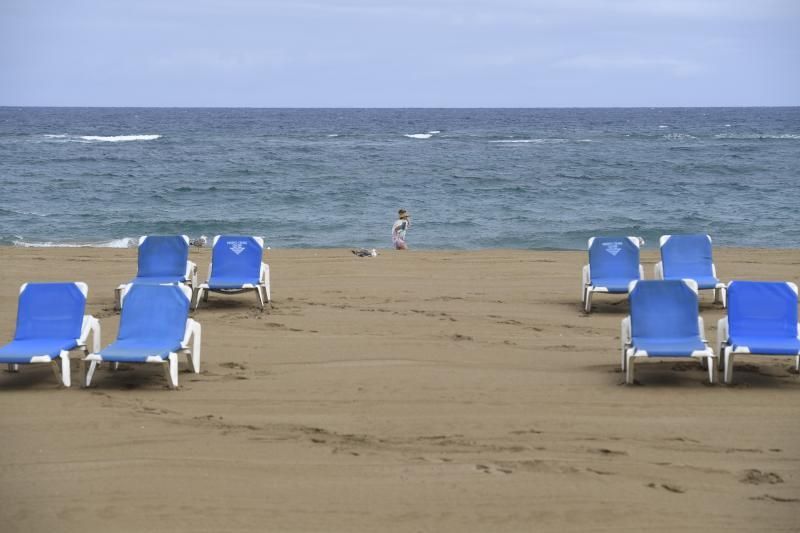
399,229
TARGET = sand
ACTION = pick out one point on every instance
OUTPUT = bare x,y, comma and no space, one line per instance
418,391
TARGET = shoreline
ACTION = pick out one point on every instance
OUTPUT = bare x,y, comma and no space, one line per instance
421,390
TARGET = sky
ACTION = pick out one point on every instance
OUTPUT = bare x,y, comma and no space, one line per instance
400,53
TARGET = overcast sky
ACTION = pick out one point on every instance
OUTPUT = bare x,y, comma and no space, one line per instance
400,53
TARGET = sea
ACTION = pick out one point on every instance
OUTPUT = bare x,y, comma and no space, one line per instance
470,178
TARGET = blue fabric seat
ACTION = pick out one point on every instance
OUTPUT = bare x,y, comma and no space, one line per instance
614,285
21,351
613,265
690,257
762,320
162,259
50,323
664,323
154,328
236,266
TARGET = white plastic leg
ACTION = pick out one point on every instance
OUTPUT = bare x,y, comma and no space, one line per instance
260,297
117,299
711,369
629,370
66,374
583,294
198,294
728,376
624,359
171,369
13,367
797,364
588,301
90,373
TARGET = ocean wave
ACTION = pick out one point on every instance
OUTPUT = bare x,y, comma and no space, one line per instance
434,132
62,137
531,141
758,136
120,138
125,242
418,135
679,137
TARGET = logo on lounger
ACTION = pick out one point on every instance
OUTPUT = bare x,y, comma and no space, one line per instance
613,247
237,247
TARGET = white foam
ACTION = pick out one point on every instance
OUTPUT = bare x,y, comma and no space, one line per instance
418,135
662,126
120,138
125,242
434,132
55,135
531,141
745,136
679,136
333,135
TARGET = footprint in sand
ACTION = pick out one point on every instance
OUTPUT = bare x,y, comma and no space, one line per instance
757,477
771,498
233,365
668,487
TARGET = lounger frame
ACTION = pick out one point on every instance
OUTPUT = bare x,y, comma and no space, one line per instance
262,289
587,288
89,326
727,353
630,354
190,347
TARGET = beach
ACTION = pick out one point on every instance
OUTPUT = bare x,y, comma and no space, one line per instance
418,391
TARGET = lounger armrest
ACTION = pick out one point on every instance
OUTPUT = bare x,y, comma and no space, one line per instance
90,325
210,270
658,270
722,334
714,270
193,335
641,271
191,273
264,274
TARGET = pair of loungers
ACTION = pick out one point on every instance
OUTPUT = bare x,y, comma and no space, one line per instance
664,322
236,266
154,328
614,264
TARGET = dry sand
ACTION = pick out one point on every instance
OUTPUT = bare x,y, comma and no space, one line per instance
419,391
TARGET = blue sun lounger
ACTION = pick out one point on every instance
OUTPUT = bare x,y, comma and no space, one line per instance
690,257
50,323
613,264
236,266
762,320
162,259
664,323
154,328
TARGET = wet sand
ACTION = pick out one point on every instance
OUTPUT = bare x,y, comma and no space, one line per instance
418,391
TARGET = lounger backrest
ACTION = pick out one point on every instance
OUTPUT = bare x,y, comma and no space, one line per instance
614,257
762,309
163,255
154,311
664,309
237,255
686,256
51,311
